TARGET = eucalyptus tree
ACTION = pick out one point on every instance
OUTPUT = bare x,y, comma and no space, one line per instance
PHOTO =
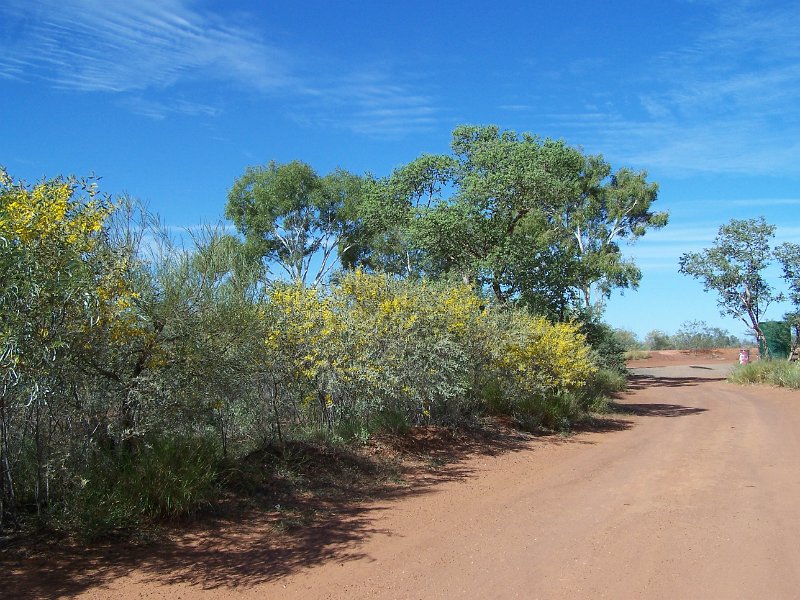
788,255
611,207
533,220
294,218
734,268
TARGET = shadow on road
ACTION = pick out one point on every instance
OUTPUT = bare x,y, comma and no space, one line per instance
659,410
321,521
639,382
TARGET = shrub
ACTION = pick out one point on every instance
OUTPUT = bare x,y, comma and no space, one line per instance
698,335
166,478
658,340
372,352
609,352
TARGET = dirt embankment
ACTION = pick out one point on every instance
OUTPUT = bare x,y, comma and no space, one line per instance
689,492
664,358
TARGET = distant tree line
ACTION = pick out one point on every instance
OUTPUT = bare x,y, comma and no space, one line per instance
693,335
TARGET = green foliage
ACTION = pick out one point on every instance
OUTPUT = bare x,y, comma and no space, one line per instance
734,269
788,256
603,385
698,335
59,279
530,219
164,478
693,335
770,372
658,340
292,217
627,339
103,351
609,352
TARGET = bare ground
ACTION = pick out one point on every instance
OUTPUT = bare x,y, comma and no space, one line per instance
665,358
690,492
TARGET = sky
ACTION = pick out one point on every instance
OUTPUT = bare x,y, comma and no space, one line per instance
170,100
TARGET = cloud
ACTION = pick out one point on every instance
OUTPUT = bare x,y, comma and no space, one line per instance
120,46
369,102
766,202
722,101
156,109
150,53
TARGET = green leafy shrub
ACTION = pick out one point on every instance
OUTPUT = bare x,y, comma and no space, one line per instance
627,339
609,352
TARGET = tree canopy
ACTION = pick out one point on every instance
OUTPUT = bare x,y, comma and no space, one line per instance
734,268
788,256
294,218
533,220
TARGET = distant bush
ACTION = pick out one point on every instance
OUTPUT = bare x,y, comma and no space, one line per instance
627,339
609,352
698,335
658,340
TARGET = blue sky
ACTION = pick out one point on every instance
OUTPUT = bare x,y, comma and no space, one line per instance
169,101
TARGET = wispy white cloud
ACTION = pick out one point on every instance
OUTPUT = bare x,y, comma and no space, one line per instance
121,46
370,103
150,53
756,202
161,109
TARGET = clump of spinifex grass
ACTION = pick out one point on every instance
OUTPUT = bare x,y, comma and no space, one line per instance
636,354
771,372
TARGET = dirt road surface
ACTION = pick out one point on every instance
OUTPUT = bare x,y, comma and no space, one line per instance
692,493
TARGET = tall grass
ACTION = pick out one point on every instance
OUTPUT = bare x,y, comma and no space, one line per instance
771,372
637,354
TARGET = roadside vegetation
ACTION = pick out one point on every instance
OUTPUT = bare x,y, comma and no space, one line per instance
735,268
143,380
779,373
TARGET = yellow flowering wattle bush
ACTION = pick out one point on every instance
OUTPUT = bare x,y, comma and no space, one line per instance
542,355
372,351
408,345
52,265
50,212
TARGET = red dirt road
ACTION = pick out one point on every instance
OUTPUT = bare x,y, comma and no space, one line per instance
694,494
